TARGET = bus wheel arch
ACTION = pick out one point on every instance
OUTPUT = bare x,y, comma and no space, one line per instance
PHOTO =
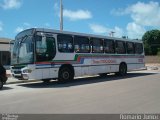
122,69
66,73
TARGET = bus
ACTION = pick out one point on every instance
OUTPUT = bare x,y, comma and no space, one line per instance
45,54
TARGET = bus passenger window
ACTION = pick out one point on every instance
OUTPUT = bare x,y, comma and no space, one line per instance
138,48
97,45
130,47
65,43
120,47
81,44
109,46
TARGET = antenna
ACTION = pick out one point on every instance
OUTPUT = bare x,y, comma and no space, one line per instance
61,15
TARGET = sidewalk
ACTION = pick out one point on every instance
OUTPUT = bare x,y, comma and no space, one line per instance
153,66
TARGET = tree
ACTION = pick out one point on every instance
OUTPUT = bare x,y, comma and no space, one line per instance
151,41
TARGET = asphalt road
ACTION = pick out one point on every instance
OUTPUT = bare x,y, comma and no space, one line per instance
138,92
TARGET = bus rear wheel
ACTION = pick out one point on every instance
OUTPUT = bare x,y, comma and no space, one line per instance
65,75
122,69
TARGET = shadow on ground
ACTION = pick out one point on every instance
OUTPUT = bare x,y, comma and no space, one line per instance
82,81
6,88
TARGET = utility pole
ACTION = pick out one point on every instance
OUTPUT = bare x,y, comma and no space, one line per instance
61,15
112,33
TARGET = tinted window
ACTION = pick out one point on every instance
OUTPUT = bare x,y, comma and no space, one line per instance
81,44
130,47
65,43
109,46
45,48
138,48
120,47
5,57
97,45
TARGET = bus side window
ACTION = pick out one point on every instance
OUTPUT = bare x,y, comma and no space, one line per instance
120,47
109,46
81,44
65,43
130,47
97,45
138,48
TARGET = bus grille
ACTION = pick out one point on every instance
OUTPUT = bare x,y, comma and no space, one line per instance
17,72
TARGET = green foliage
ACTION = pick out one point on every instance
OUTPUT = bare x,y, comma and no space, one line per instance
151,41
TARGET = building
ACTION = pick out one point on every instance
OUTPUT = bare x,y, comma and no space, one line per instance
5,51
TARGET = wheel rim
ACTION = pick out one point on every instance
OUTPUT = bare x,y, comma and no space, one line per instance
65,75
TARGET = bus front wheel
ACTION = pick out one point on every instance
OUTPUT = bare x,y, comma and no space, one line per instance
65,75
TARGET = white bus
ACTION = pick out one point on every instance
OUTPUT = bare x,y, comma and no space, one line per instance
48,54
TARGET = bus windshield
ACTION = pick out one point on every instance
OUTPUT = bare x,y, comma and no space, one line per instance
22,50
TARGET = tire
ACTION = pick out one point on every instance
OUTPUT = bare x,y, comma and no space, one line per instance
122,69
1,84
46,80
102,75
65,75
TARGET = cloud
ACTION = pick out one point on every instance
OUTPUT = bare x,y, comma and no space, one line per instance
47,25
146,14
25,25
135,31
77,15
11,4
19,29
1,26
73,15
56,9
143,15
99,29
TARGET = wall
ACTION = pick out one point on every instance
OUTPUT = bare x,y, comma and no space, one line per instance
152,59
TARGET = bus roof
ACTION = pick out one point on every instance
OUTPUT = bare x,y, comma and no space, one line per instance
80,34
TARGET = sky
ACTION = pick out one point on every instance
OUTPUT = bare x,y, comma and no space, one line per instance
130,18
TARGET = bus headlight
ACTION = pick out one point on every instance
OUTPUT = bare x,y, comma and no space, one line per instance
27,71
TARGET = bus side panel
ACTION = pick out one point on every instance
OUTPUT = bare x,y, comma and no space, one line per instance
85,70
114,68
45,73
97,69
53,72
36,74
77,71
